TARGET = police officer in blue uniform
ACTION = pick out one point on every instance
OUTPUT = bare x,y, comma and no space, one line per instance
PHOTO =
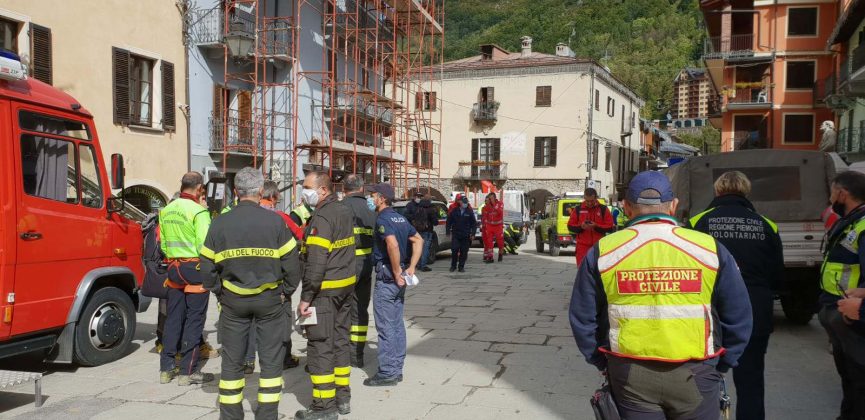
393,234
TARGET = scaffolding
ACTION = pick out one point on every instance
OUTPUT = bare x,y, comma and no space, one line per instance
369,107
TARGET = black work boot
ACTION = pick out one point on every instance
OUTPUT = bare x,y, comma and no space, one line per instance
343,407
310,414
500,257
380,381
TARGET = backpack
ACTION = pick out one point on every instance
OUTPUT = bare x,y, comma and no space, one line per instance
420,219
155,268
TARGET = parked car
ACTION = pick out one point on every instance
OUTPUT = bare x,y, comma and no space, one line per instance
552,229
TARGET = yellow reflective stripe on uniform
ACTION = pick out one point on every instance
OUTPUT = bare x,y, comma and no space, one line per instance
771,224
244,291
269,382
357,338
342,371
363,231
693,220
246,252
336,284
319,241
362,251
321,379
323,393
343,381
267,397
238,384
359,328
342,243
231,399
288,247
207,252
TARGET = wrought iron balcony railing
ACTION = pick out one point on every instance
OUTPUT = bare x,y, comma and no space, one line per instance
485,111
479,170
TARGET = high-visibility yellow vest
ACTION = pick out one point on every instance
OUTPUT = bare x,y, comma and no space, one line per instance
659,280
183,226
302,212
841,268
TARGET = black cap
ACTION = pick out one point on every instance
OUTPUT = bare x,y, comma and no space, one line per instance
384,189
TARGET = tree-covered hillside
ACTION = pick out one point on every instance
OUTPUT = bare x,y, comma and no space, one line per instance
644,42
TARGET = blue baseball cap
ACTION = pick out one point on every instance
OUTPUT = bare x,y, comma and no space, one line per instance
386,190
650,181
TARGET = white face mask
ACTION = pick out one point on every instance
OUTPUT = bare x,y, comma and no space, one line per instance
310,197
417,200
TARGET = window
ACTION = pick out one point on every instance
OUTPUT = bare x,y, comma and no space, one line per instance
624,127
486,155
141,90
611,106
488,94
597,100
49,168
91,190
800,74
429,100
545,151
53,125
798,129
594,153
543,95
607,157
422,153
9,35
802,21
135,101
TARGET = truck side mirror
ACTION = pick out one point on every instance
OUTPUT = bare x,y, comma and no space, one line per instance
118,171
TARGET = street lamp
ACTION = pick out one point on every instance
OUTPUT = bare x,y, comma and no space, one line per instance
240,42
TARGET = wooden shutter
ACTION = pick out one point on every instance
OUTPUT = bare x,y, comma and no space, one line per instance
553,141
219,101
244,116
475,149
491,94
169,116
497,150
41,54
539,151
432,101
121,73
418,101
543,96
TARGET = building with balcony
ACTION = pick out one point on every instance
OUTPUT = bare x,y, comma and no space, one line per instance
843,90
326,85
130,80
541,123
764,59
692,92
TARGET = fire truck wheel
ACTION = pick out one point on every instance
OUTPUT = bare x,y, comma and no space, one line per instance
105,327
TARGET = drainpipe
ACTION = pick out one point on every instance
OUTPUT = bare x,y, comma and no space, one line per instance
184,9
589,135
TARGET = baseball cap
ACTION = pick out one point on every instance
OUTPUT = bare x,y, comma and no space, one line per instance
464,199
650,181
386,190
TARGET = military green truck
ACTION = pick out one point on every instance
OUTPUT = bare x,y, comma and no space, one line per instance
791,187
552,229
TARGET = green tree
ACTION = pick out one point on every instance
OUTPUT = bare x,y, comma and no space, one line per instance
708,139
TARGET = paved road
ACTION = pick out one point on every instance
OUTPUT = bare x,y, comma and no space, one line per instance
491,343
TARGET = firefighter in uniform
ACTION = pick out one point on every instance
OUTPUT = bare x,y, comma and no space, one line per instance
513,238
328,267
249,260
183,226
663,309
364,223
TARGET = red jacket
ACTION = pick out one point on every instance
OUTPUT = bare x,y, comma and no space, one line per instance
599,215
293,227
493,215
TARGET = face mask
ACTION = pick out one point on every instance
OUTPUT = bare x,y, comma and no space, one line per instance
370,203
464,205
417,200
839,208
310,197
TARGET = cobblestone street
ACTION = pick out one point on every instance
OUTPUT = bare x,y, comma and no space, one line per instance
491,343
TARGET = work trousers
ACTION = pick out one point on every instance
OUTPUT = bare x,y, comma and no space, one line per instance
580,250
512,242
250,349
750,381
459,251
648,390
389,303
160,319
184,326
235,324
493,234
427,242
848,351
328,352
360,305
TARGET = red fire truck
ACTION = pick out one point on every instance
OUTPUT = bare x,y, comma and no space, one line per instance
70,261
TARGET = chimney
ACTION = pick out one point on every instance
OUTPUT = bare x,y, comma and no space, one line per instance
527,46
563,50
